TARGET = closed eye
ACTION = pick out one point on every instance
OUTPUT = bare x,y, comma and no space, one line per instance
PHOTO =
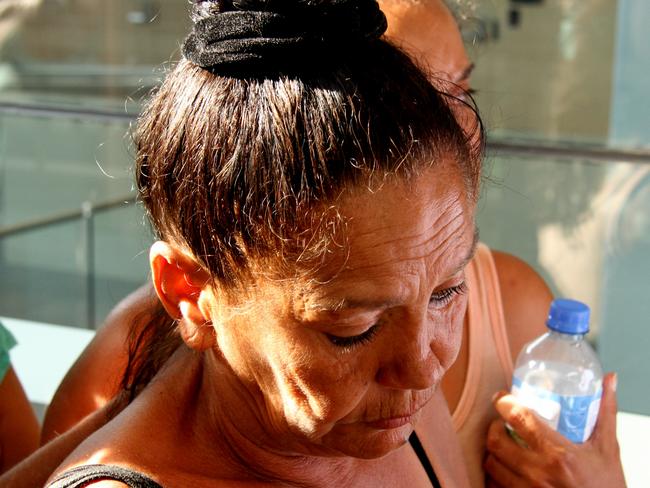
351,341
442,297
438,300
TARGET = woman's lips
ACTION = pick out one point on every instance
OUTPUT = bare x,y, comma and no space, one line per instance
399,418
391,423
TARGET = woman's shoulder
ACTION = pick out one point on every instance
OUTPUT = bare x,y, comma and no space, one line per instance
96,375
525,298
149,436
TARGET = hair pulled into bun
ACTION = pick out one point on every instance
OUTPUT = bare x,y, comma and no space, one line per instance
262,35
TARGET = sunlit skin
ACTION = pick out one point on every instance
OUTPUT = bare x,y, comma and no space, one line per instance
403,278
428,31
19,427
279,391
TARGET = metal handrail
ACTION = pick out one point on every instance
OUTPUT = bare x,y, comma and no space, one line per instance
75,113
60,218
567,151
86,214
495,146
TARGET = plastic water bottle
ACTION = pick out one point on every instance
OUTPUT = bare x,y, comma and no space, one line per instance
559,375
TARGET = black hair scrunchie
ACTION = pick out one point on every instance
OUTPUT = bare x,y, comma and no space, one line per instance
278,34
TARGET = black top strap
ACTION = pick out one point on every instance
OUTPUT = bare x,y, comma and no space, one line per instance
82,475
424,460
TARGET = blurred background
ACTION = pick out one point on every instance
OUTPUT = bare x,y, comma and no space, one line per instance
562,85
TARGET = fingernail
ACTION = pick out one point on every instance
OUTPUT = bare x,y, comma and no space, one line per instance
497,395
614,382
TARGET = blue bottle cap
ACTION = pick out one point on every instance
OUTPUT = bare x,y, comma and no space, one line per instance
568,317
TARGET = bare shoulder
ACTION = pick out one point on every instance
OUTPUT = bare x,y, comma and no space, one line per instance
19,429
130,307
95,376
132,311
526,298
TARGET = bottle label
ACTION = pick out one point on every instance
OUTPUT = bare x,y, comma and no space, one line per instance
572,416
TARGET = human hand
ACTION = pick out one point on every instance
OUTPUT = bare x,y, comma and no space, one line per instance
551,460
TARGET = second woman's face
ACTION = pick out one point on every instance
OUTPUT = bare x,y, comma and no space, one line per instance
343,366
428,31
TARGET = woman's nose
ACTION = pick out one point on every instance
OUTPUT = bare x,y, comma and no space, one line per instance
410,363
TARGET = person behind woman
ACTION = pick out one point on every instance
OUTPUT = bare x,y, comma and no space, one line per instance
19,429
314,196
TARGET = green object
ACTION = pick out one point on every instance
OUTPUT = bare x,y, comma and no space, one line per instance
516,437
7,341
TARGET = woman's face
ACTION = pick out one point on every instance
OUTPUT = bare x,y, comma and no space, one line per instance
343,365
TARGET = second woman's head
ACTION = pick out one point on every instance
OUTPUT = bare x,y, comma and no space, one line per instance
314,196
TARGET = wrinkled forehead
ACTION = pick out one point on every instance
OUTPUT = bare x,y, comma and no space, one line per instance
395,219
417,208
401,241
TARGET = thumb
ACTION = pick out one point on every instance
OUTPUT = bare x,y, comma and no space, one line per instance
528,425
605,430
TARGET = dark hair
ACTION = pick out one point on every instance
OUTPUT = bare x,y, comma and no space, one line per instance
153,338
239,168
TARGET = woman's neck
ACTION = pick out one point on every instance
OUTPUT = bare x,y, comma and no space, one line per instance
225,420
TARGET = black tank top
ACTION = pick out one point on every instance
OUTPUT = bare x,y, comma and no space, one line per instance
424,460
82,475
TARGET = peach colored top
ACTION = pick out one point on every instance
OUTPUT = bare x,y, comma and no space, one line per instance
490,364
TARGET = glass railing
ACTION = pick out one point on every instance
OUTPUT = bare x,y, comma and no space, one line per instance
72,268
72,240
581,222
87,55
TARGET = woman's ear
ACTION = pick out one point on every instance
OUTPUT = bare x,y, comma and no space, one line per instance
183,288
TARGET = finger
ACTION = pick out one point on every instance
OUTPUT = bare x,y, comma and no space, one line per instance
500,474
605,430
525,422
508,452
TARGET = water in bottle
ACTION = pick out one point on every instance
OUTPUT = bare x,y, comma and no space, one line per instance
559,375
